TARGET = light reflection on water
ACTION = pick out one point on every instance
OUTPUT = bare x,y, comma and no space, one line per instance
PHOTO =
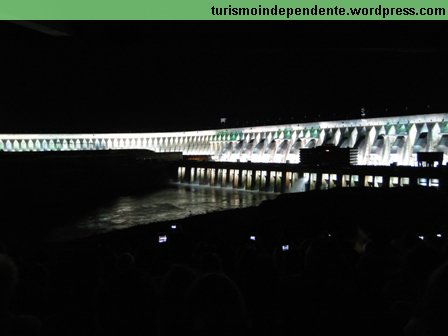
173,203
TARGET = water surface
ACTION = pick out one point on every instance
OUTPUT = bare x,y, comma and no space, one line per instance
175,202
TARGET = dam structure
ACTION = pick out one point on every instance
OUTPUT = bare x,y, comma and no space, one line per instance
379,141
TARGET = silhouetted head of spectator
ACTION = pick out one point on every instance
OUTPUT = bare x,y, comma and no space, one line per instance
325,263
323,255
360,240
211,262
257,276
125,262
288,258
351,234
176,283
107,262
215,307
8,281
128,305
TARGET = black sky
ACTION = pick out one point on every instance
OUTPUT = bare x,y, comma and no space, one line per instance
161,75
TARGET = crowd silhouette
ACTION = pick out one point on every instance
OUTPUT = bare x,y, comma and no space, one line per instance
224,280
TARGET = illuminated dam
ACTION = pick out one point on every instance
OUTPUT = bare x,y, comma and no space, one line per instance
379,141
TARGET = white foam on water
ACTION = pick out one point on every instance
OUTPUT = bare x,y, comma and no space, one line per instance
169,204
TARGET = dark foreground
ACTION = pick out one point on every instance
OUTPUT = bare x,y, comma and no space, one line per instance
335,262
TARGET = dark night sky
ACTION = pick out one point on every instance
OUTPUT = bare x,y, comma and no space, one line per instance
160,75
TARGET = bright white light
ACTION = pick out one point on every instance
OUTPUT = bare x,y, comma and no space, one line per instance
285,247
252,238
439,235
173,227
329,235
207,142
421,237
163,239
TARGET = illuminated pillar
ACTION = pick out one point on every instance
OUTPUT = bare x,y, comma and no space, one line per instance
295,180
180,174
274,184
246,180
223,177
307,180
236,178
257,180
325,181
232,177
203,176
198,175
253,179
212,176
312,181
208,175
277,181
227,178
292,176
262,180
331,180
352,180
194,175
219,177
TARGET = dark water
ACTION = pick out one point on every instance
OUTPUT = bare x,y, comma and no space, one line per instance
175,202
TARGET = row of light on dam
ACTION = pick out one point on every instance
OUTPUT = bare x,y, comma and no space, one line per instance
379,141
294,178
